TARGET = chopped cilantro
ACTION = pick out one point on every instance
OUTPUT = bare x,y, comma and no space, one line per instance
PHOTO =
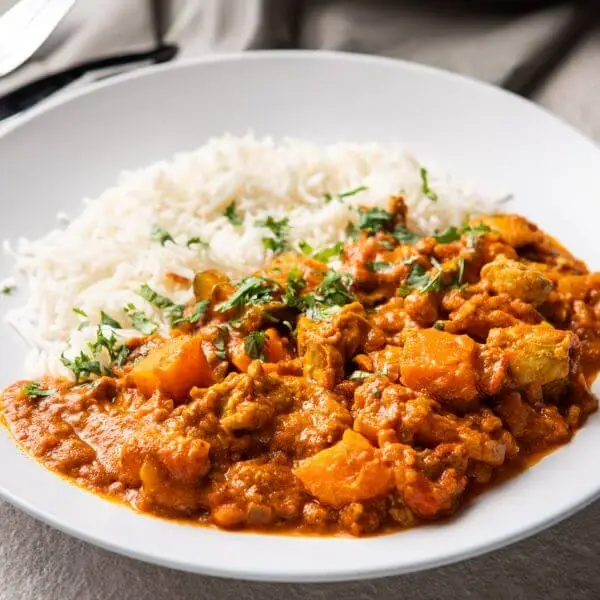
334,289
220,342
82,366
328,253
117,352
196,241
295,283
351,230
279,228
254,345
439,325
106,320
140,321
404,235
250,290
305,247
80,312
427,191
452,234
378,266
328,197
232,216
374,220
199,311
173,312
34,390
161,235
352,192
8,288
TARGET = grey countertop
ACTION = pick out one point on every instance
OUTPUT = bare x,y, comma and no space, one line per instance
561,562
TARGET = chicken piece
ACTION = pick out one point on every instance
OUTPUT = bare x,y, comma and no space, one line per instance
513,229
316,419
535,427
256,495
537,354
430,495
350,471
507,276
173,368
441,365
327,344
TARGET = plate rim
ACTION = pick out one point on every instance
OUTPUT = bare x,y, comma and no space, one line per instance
269,573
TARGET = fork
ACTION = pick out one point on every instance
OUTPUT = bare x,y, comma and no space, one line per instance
25,27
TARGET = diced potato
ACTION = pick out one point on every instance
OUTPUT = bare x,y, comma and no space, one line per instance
507,276
173,368
442,365
513,229
537,354
350,471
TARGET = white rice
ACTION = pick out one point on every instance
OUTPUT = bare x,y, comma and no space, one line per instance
99,259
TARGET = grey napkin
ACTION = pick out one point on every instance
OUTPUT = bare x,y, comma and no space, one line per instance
37,562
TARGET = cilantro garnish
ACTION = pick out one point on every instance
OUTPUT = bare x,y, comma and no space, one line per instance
254,345
427,191
161,235
232,216
279,228
250,290
34,390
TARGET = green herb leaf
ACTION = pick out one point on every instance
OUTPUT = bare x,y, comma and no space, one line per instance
251,290
378,266
34,390
353,192
279,228
374,220
452,234
172,311
80,312
305,247
439,325
161,235
82,366
405,236
351,230
140,321
328,197
474,233
8,288
232,216
199,312
328,253
220,342
421,281
295,283
116,351
334,289
196,241
106,320
427,191
254,345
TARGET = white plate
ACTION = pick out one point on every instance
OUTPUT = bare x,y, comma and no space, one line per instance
73,147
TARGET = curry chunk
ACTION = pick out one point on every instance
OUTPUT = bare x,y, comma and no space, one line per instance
350,471
513,229
507,276
442,365
173,368
537,354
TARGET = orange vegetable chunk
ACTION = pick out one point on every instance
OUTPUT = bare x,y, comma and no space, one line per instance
349,471
173,368
440,364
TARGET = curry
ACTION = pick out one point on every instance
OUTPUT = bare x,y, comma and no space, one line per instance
374,396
